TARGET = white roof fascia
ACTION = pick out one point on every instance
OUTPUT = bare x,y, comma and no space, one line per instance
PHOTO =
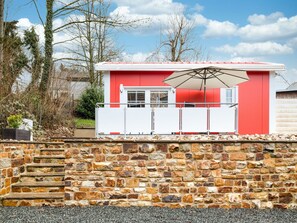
108,66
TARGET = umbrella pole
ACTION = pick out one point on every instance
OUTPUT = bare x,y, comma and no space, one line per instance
204,92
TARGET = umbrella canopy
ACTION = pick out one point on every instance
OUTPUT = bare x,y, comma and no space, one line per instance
206,78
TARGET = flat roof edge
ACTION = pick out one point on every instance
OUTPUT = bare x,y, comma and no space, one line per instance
107,66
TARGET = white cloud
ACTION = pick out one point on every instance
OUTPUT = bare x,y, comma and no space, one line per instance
198,7
263,31
152,7
217,29
199,20
263,19
257,49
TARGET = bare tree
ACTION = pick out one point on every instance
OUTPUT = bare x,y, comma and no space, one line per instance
177,41
82,7
93,39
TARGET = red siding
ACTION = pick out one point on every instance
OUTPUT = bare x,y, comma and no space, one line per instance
155,78
253,104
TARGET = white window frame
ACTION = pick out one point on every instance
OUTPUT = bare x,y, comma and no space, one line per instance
147,89
234,94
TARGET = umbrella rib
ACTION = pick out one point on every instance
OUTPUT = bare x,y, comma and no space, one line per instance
188,72
191,76
213,74
172,78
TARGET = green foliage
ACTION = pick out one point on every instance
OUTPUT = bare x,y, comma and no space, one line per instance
14,57
14,121
87,103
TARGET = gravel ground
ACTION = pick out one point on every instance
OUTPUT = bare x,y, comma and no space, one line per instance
135,214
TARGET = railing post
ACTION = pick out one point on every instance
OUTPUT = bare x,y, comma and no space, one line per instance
208,120
236,120
125,121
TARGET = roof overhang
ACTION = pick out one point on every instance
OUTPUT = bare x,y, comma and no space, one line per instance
171,66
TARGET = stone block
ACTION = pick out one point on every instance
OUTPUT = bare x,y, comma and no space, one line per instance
171,199
146,148
173,147
229,165
130,148
238,156
102,166
5,163
188,176
185,147
132,182
139,157
162,147
110,182
122,157
157,156
178,155
217,148
188,198
164,188
232,148
285,198
80,195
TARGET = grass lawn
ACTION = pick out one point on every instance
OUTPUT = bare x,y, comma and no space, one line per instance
84,123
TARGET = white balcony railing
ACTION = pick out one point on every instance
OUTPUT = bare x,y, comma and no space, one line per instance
179,118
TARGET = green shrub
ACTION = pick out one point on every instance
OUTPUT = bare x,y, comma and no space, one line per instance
87,103
14,121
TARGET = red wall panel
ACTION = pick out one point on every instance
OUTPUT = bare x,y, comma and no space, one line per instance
253,104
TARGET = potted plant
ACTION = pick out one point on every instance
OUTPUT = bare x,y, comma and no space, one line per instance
13,130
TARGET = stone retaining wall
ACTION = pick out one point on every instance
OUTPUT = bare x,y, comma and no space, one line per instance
182,174
202,174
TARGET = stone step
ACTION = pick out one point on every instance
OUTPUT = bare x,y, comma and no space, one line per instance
33,199
33,174
38,187
52,151
39,184
42,177
45,167
49,159
16,196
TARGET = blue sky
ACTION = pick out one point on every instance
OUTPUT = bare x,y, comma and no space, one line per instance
227,30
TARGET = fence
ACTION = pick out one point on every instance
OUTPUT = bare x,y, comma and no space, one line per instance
179,118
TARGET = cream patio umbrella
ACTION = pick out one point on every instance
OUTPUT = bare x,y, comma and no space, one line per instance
207,77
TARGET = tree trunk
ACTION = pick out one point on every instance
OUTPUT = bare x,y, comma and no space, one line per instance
1,37
48,59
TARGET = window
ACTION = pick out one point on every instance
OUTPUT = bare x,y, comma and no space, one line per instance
159,98
146,96
229,95
136,99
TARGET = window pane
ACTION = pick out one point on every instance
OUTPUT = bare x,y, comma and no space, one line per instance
159,98
229,95
136,99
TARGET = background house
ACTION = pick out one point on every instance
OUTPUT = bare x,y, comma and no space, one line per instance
286,109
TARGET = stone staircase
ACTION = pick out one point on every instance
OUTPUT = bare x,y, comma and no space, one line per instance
42,183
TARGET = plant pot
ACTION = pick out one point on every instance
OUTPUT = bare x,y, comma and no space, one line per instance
16,134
